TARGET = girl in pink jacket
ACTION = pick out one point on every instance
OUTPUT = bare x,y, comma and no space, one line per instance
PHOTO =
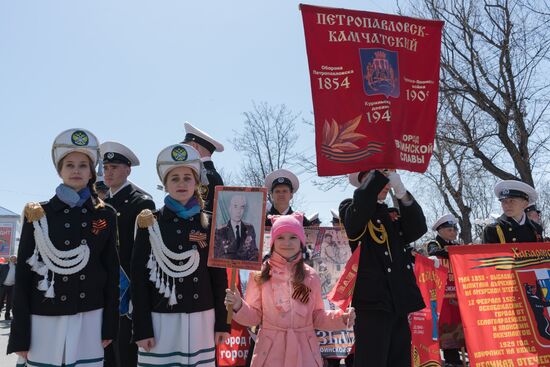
285,298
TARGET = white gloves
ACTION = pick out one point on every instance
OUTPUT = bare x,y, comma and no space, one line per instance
436,261
397,185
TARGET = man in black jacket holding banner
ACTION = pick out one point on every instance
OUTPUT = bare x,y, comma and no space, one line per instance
385,289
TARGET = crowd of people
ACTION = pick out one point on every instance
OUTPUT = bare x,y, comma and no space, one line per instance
118,282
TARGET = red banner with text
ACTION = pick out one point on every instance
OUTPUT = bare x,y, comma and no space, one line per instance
374,80
504,298
235,349
7,238
431,280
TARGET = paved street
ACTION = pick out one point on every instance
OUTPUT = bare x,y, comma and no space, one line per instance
5,360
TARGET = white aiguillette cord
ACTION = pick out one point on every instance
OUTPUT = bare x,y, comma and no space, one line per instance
51,259
162,267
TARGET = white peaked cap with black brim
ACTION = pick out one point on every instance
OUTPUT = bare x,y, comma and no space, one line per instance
282,177
202,138
113,152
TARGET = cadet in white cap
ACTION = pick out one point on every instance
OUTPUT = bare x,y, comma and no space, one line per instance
335,218
513,225
282,184
314,220
206,146
68,270
447,232
128,200
385,289
178,300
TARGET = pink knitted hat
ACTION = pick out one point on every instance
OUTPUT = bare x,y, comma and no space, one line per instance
287,223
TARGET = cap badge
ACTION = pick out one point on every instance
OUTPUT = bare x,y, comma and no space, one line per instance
110,155
505,192
80,138
179,154
280,180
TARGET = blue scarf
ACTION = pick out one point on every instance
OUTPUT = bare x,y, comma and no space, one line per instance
186,211
72,198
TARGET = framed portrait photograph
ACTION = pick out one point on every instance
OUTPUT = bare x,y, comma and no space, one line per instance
330,253
237,234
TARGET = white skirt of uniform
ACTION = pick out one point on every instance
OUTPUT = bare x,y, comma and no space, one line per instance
181,339
70,340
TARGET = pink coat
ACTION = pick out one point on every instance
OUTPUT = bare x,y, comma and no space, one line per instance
287,336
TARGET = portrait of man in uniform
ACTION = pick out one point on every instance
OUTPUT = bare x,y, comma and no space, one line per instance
238,227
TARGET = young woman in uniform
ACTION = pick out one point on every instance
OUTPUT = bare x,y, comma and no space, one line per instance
66,288
178,314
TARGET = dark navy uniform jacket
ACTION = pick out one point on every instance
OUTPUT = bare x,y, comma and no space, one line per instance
202,290
95,287
512,231
437,246
128,203
385,277
273,211
214,179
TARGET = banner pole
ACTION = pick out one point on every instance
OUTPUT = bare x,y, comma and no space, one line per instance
232,287
463,353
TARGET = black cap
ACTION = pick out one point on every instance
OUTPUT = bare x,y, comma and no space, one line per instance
100,186
449,224
114,158
282,181
532,208
507,193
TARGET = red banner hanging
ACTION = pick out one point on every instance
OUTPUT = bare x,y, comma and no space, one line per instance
374,79
431,281
504,298
342,292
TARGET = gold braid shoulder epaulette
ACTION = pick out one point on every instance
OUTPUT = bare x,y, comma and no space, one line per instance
145,218
33,212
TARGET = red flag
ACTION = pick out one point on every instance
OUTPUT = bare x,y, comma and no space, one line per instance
423,324
342,292
374,81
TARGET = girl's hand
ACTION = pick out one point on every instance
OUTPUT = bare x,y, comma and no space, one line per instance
233,298
349,317
23,354
220,337
146,344
106,342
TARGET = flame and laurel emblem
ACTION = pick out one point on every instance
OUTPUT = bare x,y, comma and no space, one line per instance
338,142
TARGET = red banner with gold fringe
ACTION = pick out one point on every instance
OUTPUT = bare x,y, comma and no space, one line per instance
374,80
